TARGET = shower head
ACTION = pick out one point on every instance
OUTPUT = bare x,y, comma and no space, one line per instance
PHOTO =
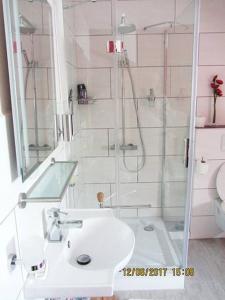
124,27
25,26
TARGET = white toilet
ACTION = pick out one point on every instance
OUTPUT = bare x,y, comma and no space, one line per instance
220,202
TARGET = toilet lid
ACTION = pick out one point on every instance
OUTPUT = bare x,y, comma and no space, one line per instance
220,182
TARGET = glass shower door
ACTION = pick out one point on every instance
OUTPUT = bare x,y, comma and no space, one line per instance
154,74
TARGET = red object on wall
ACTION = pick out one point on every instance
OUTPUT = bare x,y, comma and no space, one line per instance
110,47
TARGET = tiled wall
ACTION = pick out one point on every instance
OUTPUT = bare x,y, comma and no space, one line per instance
208,141
91,29
39,49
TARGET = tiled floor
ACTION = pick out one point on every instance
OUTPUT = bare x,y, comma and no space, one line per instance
208,259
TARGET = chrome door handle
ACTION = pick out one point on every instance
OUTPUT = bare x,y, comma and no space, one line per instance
186,152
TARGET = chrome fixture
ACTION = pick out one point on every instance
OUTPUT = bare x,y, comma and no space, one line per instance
45,147
25,26
125,65
68,6
125,27
165,25
151,96
170,23
55,232
125,147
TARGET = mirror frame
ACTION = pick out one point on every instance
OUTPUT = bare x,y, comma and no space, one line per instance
16,75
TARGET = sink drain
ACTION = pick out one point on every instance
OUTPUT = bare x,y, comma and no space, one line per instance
83,259
149,227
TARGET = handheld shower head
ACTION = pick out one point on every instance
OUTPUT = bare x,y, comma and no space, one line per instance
25,26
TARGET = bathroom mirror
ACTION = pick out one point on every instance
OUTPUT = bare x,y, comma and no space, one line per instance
29,34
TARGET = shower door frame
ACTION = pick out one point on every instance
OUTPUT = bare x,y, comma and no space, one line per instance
192,130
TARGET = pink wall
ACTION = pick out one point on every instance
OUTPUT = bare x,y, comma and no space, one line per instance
208,141
211,56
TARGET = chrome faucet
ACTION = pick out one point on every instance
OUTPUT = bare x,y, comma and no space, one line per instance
55,232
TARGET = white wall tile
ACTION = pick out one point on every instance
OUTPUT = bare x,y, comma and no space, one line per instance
131,164
181,81
208,180
204,202
212,16
178,112
144,79
93,142
97,82
47,18
212,48
42,51
99,114
209,143
90,19
130,113
175,194
153,140
45,113
150,114
152,170
150,212
97,170
139,194
175,140
91,52
151,50
180,49
175,170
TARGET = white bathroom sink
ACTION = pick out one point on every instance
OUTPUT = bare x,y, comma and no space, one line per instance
108,242
102,239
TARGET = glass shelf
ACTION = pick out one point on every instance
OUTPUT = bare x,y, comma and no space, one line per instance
52,184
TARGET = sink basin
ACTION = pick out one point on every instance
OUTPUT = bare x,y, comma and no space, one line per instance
108,242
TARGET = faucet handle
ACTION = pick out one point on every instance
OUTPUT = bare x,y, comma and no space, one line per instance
54,212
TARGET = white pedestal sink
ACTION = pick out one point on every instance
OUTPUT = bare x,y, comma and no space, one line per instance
108,241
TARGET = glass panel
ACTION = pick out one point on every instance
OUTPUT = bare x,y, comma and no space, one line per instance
155,100
53,181
87,28
133,111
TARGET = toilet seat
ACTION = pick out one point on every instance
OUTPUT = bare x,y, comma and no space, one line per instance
220,182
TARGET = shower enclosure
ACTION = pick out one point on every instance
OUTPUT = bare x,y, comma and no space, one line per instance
134,138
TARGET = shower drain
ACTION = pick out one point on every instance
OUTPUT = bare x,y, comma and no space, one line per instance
149,227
